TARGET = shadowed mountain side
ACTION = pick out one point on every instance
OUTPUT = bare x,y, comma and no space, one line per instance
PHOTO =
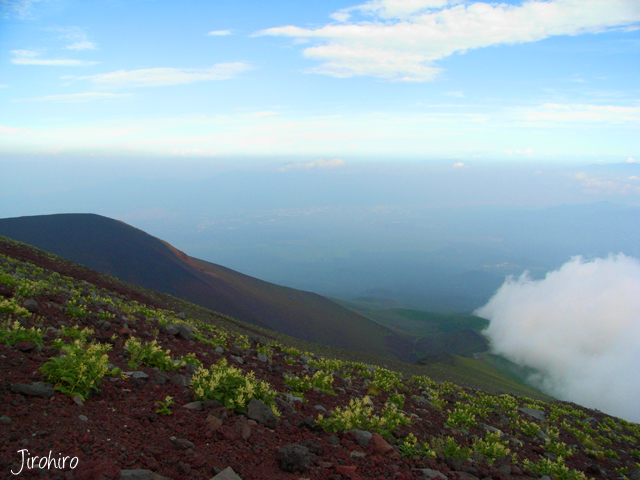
115,248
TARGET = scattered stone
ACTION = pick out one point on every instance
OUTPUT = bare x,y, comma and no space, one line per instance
197,406
237,359
182,380
227,474
191,369
357,454
454,463
25,346
219,350
36,389
83,418
506,469
379,446
159,378
186,331
31,305
78,400
304,359
362,436
263,358
182,444
171,329
138,375
5,419
320,408
214,423
333,440
284,405
543,436
294,458
427,472
260,412
532,412
140,474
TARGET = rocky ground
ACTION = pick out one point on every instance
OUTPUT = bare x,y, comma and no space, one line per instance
121,431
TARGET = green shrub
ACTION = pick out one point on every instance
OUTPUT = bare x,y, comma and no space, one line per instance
229,386
447,447
151,355
80,370
491,447
411,448
14,333
359,414
558,469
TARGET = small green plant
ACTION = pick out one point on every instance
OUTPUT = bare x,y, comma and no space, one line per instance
291,351
530,429
76,333
14,333
8,280
462,415
10,305
398,399
106,315
75,309
80,370
191,359
491,447
231,387
289,361
411,448
448,447
558,469
164,406
151,355
359,414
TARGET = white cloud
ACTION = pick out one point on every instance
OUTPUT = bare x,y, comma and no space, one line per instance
322,164
82,45
156,77
405,38
605,186
31,57
458,165
18,8
553,112
76,97
219,33
579,326
631,160
11,130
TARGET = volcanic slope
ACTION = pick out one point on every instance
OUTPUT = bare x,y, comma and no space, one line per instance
217,401
114,248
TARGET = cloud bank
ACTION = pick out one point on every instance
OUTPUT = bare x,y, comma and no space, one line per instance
401,40
579,327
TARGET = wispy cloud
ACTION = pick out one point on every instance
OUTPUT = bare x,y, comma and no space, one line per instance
76,97
317,164
78,37
16,8
554,112
219,33
405,39
32,57
158,77
11,130
607,186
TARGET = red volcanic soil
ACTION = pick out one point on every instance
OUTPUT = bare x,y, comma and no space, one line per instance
117,428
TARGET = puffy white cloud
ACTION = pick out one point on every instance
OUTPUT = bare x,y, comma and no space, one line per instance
406,38
458,165
11,130
219,33
580,327
157,77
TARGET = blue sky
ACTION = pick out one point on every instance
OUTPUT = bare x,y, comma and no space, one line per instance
327,81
